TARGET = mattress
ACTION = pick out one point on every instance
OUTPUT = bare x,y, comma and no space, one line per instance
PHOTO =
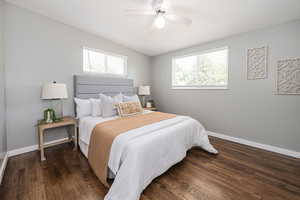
140,155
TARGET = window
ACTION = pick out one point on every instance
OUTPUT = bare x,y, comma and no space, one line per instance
208,70
96,61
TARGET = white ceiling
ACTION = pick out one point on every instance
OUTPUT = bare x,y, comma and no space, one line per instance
212,19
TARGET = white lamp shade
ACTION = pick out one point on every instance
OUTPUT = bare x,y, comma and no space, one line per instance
144,90
54,91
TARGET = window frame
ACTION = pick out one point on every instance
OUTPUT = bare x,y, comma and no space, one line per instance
106,53
199,87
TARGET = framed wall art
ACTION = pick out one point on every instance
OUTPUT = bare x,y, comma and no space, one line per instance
257,63
288,76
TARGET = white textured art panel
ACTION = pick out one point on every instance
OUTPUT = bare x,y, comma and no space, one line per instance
288,76
257,63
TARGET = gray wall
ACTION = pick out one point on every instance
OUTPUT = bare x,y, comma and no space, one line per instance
249,109
2,88
40,50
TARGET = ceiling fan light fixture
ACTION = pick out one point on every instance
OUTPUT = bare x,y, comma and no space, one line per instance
160,22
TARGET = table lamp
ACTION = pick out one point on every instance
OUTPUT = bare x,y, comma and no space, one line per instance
144,91
55,92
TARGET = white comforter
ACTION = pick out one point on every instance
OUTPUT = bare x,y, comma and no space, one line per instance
140,155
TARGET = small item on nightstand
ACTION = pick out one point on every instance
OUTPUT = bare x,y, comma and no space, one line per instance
148,105
49,116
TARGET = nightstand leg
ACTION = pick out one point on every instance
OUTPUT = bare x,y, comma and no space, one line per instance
39,140
75,138
41,144
69,131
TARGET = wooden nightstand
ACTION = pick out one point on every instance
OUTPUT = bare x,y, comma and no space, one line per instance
69,122
152,109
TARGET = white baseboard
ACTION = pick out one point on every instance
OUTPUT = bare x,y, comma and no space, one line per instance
30,148
3,166
279,150
218,135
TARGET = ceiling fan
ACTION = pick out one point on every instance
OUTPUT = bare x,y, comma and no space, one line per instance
161,14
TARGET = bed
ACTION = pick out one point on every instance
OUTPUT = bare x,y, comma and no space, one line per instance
135,159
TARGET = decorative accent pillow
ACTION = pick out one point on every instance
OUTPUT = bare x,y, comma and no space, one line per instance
83,107
109,104
129,108
96,107
134,98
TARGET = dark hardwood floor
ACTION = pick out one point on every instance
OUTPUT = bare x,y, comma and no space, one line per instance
238,172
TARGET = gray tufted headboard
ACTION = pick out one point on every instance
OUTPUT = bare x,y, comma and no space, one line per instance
88,86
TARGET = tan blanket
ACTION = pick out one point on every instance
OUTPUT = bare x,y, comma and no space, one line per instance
104,134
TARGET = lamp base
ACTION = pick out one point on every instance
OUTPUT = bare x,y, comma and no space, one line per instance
144,101
57,106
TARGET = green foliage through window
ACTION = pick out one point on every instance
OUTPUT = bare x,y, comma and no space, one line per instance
203,70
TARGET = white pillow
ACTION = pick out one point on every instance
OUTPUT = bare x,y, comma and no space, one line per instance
133,98
83,107
96,107
108,104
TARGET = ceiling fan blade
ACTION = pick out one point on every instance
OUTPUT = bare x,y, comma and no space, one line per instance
140,12
178,19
